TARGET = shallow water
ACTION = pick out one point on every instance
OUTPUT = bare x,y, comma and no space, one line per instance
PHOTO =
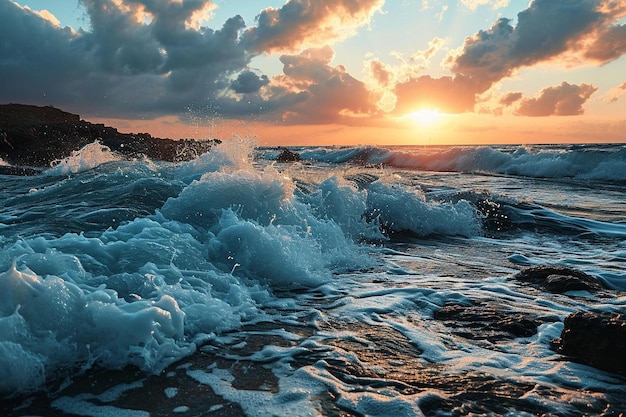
232,285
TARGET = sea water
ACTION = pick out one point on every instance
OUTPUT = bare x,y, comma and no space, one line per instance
236,285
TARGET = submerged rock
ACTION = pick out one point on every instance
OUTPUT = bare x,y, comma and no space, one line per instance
595,338
37,136
559,279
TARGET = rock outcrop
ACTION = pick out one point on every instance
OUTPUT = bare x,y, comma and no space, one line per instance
37,136
595,338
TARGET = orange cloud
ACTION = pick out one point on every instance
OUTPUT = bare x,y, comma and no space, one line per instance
545,30
379,71
609,44
300,22
510,98
615,93
325,94
563,100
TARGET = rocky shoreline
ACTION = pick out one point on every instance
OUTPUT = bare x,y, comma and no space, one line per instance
387,360
34,136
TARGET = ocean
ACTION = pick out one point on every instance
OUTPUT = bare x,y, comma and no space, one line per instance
235,285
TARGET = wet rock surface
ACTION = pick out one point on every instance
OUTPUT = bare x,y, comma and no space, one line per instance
595,338
37,136
487,322
559,279
366,358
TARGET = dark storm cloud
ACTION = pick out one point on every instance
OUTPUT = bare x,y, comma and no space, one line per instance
125,66
121,44
146,58
37,59
299,22
249,82
563,100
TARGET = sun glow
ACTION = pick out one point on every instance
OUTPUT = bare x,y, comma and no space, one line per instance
425,117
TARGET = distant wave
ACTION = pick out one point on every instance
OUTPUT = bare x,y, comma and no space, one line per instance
580,162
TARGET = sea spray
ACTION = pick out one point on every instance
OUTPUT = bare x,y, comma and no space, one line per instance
89,157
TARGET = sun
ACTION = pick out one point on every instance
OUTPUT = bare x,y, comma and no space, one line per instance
425,117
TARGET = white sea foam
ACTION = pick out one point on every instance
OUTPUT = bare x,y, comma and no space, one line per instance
601,162
89,157
140,294
230,242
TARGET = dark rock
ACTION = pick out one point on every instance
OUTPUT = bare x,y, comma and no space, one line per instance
595,338
482,322
37,136
288,156
559,279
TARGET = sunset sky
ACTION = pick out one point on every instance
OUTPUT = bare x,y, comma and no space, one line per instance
307,72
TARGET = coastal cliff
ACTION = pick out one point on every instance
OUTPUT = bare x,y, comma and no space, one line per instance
36,136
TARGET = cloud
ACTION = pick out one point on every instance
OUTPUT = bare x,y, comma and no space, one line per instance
563,100
148,58
248,82
384,76
544,31
38,59
495,4
423,57
46,15
609,45
380,72
615,93
142,58
301,22
510,98
326,94
443,11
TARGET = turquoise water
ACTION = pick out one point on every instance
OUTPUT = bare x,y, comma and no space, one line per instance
233,284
